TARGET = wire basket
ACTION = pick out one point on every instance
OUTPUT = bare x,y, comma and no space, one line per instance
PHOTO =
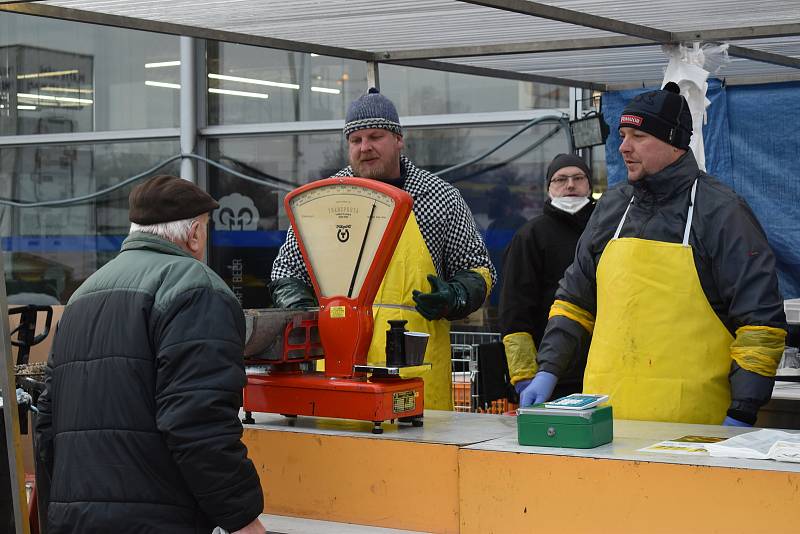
464,360
33,370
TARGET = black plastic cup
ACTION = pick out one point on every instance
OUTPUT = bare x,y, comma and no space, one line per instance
416,343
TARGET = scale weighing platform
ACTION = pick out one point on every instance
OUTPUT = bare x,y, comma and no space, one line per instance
347,230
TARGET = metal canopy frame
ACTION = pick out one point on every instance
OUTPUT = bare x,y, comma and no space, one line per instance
492,48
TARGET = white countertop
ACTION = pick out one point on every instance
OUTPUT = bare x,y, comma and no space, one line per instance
499,433
440,427
630,436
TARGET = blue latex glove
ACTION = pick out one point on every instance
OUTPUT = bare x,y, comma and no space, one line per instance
521,385
730,421
539,390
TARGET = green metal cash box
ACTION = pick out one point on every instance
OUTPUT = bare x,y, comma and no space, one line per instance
554,427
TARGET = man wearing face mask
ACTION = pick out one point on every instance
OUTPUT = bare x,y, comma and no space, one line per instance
673,285
534,262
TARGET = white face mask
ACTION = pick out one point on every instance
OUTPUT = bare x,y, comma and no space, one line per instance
569,204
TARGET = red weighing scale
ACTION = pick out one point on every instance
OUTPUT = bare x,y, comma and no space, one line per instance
347,230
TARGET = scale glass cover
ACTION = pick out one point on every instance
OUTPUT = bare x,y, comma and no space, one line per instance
341,225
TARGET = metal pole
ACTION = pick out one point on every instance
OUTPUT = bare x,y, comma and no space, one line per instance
373,76
200,114
201,110
575,103
575,112
11,415
188,96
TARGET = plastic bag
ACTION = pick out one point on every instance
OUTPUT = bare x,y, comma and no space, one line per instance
689,67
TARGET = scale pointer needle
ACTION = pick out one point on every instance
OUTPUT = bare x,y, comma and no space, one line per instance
360,253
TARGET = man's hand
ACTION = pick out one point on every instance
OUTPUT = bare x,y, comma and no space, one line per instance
253,528
730,421
442,299
539,390
521,385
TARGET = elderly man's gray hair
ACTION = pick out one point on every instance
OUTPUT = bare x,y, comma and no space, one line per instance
175,231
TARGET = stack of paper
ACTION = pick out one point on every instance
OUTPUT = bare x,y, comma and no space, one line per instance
760,445
577,401
687,445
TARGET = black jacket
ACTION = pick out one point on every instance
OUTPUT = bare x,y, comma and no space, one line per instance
535,261
734,263
139,422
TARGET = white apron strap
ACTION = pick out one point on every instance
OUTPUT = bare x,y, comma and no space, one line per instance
689,216
622,221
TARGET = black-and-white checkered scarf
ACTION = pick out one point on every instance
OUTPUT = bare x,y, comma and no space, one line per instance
444,219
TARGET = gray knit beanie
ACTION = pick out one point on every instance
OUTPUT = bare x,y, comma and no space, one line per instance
372,110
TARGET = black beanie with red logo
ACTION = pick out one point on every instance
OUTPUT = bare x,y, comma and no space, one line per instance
663,114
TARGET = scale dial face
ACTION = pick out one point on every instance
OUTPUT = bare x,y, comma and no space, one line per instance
334,223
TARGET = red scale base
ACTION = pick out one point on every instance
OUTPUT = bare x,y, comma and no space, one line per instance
314,394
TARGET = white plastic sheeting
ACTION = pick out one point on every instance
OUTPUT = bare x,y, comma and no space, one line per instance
376,30
690,67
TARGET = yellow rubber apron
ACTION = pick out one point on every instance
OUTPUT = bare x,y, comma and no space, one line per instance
658,348
411,264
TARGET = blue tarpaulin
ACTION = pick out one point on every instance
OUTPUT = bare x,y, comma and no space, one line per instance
751,145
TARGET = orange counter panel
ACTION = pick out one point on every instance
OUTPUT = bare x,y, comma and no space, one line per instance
379,482
507,493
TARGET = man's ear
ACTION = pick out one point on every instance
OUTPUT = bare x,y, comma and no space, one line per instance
193,242
400,143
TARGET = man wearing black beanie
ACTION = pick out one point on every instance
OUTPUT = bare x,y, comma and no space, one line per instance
535,261
673,287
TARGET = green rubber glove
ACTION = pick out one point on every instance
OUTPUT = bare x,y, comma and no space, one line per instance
444,299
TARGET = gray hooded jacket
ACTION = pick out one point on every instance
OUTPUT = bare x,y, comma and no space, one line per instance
734,262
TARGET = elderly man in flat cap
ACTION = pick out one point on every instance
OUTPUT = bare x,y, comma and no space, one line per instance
138,424
440,270
673,285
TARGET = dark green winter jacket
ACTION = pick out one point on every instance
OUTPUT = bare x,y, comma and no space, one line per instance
139,422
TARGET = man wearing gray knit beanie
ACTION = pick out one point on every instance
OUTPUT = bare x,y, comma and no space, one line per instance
374,138
440,270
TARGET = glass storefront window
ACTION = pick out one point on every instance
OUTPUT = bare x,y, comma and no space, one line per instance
251,224
50,251
248,84
258,85
503,191
430,92
435,149
62,77
67,77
